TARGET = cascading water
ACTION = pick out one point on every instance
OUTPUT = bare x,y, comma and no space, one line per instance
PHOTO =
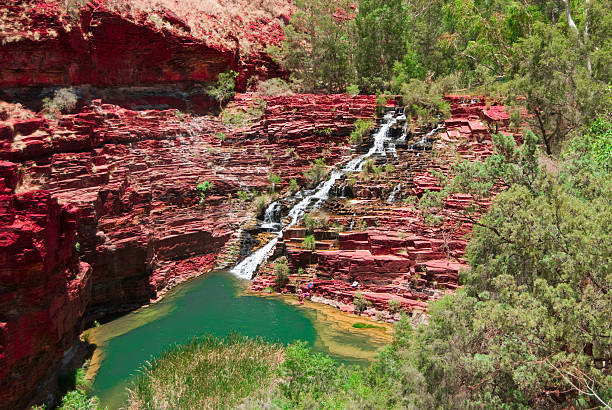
248,266
272,217
396,190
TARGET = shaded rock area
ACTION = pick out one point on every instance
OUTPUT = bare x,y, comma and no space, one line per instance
377,239
100,211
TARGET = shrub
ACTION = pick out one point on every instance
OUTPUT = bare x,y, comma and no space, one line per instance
260,203
64,100
274,87
281,271
309,243
243,196
394,305
360,302
362,128
352,89
312,222
316,173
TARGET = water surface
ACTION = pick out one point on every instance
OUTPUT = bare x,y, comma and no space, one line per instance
214,304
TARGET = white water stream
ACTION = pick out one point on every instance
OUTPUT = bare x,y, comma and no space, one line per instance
248,266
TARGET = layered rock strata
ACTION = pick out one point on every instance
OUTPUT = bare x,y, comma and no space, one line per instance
101,212
377,238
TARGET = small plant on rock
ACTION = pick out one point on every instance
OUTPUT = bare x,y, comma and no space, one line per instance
309,243
64,101
223,90
362,128
316,173
394,305
293,186
274,181
203,188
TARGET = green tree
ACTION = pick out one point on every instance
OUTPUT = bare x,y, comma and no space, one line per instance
223,90
380,30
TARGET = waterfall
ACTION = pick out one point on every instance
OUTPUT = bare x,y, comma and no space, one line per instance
394,193
272,217
248,266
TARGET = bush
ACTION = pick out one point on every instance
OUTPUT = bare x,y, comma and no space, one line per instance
260,203
360,302
316,173
362,128
274,87
281,271
394,305
274,181
352,89
309,243
64,100
312,222
206,373
293,186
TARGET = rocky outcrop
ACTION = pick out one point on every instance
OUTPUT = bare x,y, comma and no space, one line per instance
100,211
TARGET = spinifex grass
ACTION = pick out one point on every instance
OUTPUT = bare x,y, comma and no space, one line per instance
206,373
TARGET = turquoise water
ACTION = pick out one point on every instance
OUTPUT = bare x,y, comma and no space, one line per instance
209,305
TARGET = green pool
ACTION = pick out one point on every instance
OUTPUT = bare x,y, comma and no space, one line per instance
214,304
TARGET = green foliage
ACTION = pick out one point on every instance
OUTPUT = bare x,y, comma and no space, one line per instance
281,271
532,317
316,173
64,101
312,222
274,181
423,101
394,305
221,136
203,188
189,376
293,186
223,90
362,128
309,243
79,400
352,89
360,302
243,196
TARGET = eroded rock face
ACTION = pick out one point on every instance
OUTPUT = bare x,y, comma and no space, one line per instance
379,242
44,288
100,211
43,46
